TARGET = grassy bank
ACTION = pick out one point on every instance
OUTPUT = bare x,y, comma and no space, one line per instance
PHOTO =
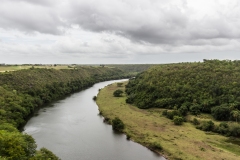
151,129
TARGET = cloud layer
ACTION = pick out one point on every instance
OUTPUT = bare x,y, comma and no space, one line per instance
118,29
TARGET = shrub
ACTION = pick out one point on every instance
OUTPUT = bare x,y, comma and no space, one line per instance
183,110
164,113
234,130
171,114
117,93
222,128
107,120
221,113
156,145
207,126
117,124
178,120
94,98
195,121
195,109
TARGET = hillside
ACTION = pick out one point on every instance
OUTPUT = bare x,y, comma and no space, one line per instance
211,87
23,91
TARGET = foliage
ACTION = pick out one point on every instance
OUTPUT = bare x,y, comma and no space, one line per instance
133,68
195,109
195,121
117,93
221,112
44,154
23,91
117,124
15,145
178,120
156,146
212,86
206,126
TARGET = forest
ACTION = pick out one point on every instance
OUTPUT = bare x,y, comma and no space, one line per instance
209,87
24,91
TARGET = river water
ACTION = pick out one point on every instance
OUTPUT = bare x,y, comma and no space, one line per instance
73,130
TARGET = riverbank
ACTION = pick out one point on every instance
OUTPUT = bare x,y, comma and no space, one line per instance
24,91
151,129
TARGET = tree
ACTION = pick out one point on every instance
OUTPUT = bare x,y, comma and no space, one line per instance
117,93
221,113
178,120
183,110
195,109
235,114
117,124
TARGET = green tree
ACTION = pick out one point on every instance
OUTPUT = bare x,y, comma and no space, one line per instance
178,120
221,113
117,124
117,93
236,114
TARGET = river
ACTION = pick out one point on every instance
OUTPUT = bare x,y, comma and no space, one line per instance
72,129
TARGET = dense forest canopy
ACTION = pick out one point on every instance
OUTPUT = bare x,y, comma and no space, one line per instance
132,68
212,86
23,91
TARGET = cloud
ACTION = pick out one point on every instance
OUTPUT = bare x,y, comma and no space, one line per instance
156,22
109,29
29,18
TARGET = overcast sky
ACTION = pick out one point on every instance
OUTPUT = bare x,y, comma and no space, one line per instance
118,31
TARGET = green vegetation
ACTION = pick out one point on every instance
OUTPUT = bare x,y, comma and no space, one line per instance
117,124
211,87
150,128
132,68
23,91
117,93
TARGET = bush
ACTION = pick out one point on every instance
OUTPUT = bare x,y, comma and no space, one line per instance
207,126
195,121
117,124
94,98
171,114
164,113
117,93
45,154
195,109
178,120
234,130
183,110
222,128
156,145
221,113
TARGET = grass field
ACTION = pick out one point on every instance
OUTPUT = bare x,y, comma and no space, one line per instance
151,129
19,67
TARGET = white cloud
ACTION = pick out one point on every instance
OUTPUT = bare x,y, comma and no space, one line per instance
109,30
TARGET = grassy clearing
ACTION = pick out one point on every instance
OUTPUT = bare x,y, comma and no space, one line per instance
151,129
19,67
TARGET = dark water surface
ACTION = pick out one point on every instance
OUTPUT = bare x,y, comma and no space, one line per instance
73,130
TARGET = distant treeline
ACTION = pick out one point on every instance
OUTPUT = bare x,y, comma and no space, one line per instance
133,68
212,86
23,91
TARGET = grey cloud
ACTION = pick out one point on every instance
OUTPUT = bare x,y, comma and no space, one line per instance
29,18
156,25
